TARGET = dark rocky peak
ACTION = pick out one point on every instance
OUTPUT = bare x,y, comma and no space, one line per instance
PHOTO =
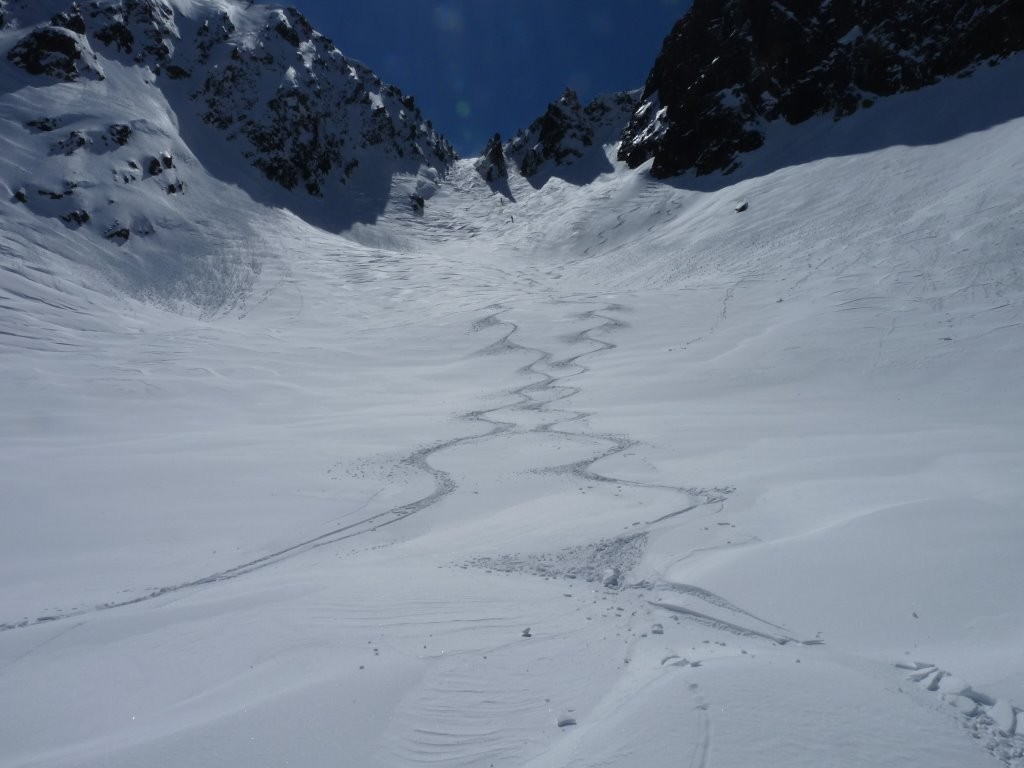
65,36
212,32
729,67
561,134
284,98
295,28
567,131
297,109
492,165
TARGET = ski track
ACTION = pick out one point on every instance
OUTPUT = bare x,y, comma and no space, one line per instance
527,397
701,755
721,624
997,725
711,598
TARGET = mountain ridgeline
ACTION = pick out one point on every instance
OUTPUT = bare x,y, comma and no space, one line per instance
255,96
729,68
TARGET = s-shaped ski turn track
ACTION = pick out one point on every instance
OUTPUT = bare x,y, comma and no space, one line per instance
537,408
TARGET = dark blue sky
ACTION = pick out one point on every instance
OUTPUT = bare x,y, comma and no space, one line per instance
480,66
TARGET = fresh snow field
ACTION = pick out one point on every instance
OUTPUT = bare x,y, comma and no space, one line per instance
630,480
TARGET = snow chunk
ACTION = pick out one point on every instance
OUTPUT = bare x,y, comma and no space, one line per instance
1003,716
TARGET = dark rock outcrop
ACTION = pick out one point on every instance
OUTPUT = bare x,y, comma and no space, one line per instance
143,30
119,134
76,218
44,124
75,141
492,165
731,66
56,52
70,19
118,233
212,33
325,111
285,100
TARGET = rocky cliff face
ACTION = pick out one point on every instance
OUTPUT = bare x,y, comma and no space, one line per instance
491,164
323,116
729,67
281,97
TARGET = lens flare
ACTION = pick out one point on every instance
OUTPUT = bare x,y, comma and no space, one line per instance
448,19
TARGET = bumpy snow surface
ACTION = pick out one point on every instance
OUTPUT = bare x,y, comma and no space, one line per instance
601,475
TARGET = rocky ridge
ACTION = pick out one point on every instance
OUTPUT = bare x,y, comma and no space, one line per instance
324,113
564,136
567,130
730,67
260,88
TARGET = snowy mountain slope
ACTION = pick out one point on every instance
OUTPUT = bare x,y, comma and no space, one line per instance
253,94
730,69
578,475
118,179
